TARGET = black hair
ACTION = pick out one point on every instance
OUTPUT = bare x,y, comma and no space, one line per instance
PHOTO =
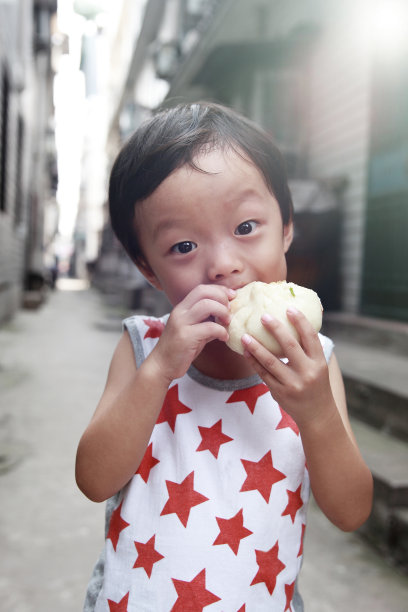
174,137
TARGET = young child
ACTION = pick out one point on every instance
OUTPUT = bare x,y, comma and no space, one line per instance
206,455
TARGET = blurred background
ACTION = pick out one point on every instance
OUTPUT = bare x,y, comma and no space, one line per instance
329,80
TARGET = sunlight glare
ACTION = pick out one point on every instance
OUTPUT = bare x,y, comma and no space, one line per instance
389,25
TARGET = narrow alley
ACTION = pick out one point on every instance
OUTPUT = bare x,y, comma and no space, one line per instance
53,364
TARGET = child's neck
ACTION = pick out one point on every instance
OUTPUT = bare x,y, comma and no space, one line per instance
218,361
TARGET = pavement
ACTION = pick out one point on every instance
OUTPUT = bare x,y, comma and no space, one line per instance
53,365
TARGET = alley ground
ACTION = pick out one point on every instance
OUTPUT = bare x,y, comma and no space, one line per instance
53,364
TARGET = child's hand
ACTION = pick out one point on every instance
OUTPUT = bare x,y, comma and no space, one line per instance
198,319
301,386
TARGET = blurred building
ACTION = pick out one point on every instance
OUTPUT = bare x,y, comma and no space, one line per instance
28,171
330,81
109,31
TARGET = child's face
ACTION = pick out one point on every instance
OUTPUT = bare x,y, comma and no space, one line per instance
219,227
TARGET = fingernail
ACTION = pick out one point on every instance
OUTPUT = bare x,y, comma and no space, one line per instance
246,339
267,318
232,293
292,310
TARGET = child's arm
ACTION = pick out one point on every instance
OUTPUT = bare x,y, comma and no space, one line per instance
313,394
113,444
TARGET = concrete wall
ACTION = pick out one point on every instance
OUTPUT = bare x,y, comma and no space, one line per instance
12,229
25,138
336,113
339,132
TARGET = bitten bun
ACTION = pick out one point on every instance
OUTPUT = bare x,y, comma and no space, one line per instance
256,299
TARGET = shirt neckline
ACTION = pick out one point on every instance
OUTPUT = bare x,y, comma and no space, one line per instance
221,384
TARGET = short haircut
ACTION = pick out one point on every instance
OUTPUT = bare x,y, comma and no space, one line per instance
174,137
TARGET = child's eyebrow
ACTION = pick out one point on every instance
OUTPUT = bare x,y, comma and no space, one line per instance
169,224
247,195
243,195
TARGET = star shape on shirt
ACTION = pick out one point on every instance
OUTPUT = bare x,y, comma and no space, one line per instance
249,396
295,502
116,525
261,476
287,422
232,531
120,606
193,596
289,588
155,328
302,537
148,462
212,438
182,498
172,408
242,608
147,556
269,567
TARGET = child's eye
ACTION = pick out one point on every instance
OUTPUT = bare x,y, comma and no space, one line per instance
184,247
245,228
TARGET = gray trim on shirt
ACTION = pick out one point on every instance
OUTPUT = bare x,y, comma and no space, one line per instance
207,381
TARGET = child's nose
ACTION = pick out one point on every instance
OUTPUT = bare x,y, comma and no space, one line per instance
223,262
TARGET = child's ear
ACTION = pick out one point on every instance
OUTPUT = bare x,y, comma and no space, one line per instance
287,236
148,273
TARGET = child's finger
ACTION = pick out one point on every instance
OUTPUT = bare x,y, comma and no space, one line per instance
210,330
268,366
308,336
288,343
206,308
218,293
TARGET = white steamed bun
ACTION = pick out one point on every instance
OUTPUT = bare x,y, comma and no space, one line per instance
257,298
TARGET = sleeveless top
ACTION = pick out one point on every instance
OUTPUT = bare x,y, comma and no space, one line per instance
215,515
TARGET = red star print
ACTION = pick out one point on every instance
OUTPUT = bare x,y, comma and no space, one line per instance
212,438
249,396
232,531
148,462
269,567
116,525
300,553
261,475
294,504
147,556
193,596
287,422
289,588
155,328
121,606
172,407
242,608
182,498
